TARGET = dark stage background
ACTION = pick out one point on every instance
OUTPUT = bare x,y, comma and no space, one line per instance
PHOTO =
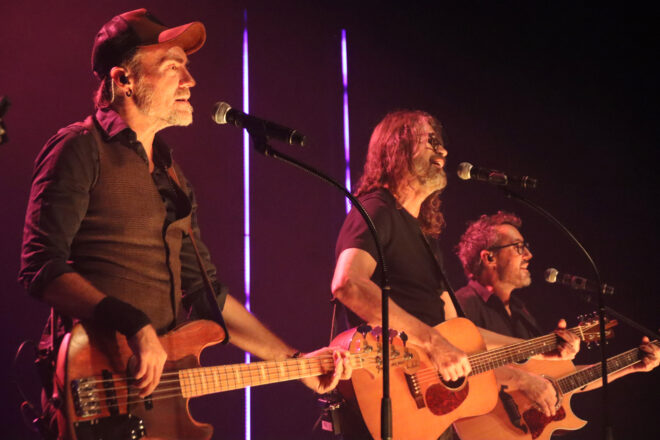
562,91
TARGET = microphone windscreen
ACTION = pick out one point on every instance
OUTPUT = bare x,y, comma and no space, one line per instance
463,171
219,114
550,275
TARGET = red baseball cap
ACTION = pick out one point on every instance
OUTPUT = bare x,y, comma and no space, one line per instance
139,28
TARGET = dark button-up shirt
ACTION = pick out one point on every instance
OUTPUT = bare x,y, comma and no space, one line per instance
486,310
65,172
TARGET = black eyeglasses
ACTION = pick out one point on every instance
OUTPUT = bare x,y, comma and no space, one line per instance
435,142
519,246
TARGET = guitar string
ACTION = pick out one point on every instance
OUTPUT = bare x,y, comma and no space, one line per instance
478,360
270,366
253,369
495,355
157,394
491,359
211,372
199,382
592,374
227,374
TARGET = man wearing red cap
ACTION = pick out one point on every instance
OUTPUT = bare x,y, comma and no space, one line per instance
111,227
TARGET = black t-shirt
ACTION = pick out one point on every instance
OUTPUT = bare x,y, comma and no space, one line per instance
486,310
413,269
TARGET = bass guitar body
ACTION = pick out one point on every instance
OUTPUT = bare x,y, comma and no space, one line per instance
109,408
516,418
422,405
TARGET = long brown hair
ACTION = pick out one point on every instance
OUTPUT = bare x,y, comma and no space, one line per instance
389,160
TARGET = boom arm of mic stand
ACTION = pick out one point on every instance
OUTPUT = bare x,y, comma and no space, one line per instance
607,429
260,142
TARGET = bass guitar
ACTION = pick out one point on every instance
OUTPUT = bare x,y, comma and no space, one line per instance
516,418
100,401
424,405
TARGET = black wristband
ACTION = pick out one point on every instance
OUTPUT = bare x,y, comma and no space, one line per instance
115,314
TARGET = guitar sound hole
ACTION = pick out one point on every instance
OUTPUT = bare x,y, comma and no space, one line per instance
453,384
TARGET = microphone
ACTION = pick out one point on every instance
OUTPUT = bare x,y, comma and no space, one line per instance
552,276
467,171
224,114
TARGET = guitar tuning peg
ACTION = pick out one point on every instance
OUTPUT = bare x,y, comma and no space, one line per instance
393,334
377,331
404,337
364,329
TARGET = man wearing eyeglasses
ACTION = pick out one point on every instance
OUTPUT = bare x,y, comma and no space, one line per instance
495,259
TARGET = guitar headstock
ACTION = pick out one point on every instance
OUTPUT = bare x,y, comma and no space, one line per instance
589,329
368,343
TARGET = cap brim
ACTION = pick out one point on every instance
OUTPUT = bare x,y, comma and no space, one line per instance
190,37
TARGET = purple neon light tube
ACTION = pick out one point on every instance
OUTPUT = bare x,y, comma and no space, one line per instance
246,213
347,144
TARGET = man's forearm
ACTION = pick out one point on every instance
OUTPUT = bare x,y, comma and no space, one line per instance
249,334
72,295
364,299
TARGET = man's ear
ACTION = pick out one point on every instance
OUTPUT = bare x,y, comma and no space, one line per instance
120,77
486,256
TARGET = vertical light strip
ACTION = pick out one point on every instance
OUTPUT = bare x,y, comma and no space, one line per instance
246,212
347,145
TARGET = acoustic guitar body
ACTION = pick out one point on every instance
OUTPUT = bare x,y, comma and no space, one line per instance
441,405
534,425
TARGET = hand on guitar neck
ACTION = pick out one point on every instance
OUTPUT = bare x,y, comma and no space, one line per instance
342,370
568,346
651,358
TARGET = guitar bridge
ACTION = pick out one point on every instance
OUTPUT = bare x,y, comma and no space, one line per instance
85,397
415,390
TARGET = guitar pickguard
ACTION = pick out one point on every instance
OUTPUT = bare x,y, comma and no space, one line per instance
441,399
537,421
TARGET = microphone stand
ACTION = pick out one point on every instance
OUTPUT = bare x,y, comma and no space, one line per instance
602,308
260,142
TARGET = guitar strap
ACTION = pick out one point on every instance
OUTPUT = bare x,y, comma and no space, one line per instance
440,271
210,290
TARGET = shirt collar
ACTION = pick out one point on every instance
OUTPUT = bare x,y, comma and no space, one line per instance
113,126
481,290
485,295
111,123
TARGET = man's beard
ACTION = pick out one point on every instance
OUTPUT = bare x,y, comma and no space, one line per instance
144,96
429,174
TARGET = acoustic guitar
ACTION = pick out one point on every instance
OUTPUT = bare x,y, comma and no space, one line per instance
424,405
516,418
